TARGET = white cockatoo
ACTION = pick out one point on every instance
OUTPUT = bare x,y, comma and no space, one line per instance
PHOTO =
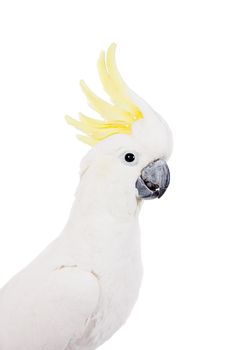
83,286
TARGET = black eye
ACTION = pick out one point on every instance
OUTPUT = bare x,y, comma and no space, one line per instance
129,157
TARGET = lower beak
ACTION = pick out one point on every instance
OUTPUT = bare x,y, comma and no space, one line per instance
154,180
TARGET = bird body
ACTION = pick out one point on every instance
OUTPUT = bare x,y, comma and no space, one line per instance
91,265
80,290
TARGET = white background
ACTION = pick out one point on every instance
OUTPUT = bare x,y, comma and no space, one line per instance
178,56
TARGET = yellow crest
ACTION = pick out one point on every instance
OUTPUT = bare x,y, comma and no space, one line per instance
119,116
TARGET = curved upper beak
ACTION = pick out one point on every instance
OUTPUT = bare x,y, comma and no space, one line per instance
154,180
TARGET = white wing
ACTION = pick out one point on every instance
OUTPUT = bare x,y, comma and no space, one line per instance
44,312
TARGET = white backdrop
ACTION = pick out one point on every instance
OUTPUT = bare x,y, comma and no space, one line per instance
178,56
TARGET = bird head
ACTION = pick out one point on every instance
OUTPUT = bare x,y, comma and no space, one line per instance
130,143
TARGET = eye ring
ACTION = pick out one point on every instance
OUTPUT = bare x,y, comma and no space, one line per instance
130,158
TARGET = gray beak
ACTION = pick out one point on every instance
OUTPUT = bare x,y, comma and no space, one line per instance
154,180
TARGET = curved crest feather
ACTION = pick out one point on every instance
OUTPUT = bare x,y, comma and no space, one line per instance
117,116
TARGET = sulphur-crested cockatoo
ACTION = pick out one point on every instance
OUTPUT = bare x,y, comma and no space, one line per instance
83,286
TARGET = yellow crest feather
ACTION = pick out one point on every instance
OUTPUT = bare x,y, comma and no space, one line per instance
117,117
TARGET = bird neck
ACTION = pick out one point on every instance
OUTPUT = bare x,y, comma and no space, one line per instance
102,206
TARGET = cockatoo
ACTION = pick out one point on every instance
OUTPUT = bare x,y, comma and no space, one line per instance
81,289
